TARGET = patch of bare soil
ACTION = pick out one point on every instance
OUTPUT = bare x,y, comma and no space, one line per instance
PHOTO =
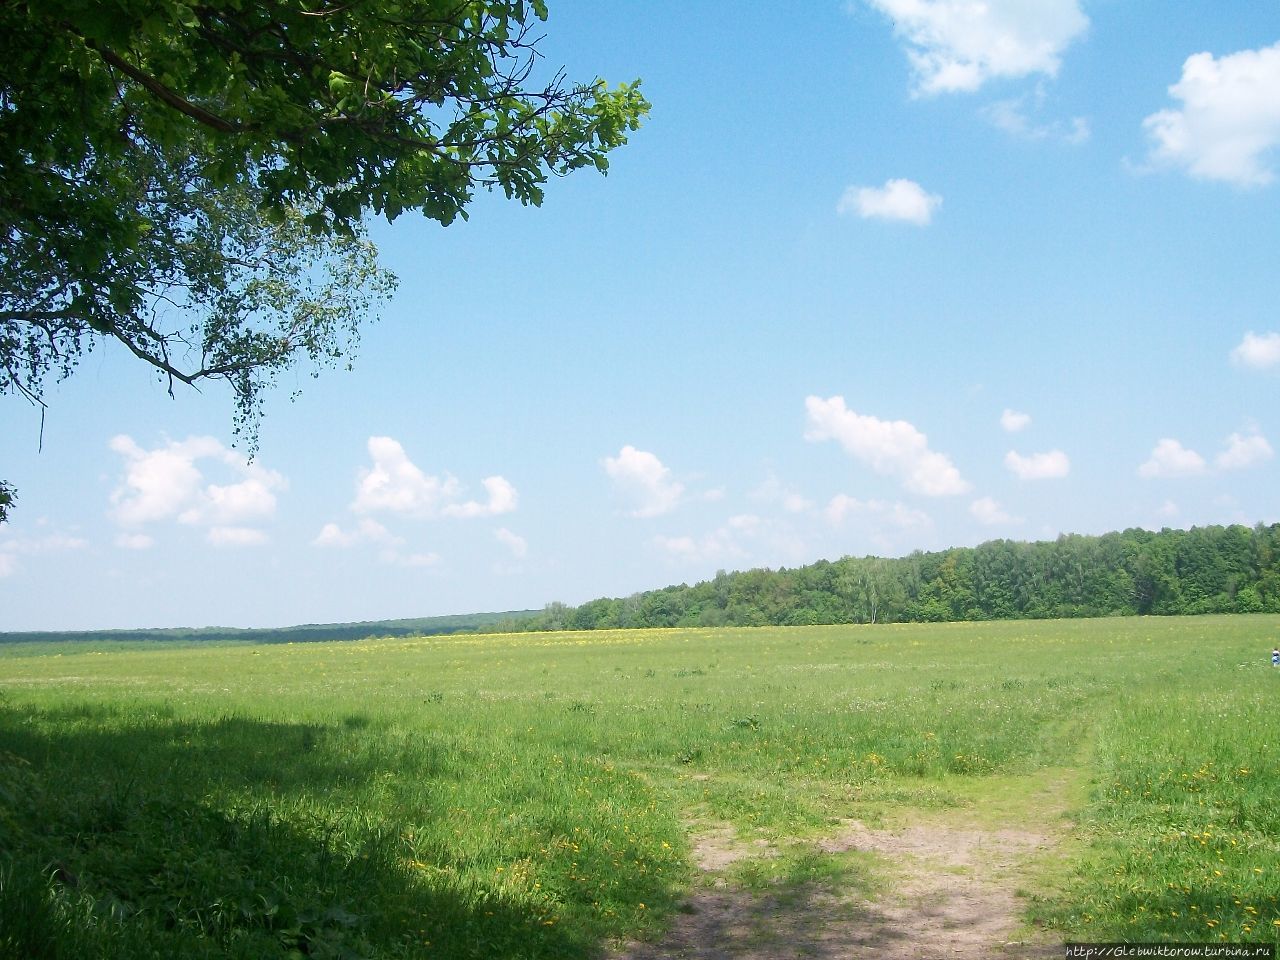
714,850
952,898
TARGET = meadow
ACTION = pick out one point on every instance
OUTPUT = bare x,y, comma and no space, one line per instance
536,795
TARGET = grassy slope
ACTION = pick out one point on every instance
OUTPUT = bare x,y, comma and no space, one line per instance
529,796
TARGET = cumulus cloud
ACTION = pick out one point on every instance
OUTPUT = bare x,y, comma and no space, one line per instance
1243,450
902,200
395,484
251,499
1049,465
890,447
168,483
640,478
958,45
159,483
1258,350
502,498
1228,124
517,544
987,511
1012,421
1170,458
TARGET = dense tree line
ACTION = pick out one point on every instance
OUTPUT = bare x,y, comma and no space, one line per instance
303,633
1231,569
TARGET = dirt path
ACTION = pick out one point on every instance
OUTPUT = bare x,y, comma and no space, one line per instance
951,895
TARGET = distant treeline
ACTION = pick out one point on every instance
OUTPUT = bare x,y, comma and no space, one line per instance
312,632
1202,570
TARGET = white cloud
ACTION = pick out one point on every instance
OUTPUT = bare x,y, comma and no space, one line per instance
11,548
370,531
1012,421
502,499
1019,118
332,535
986,510
251,499
135,541
52,543
395,484
683,547
236,536
1229,121
724,543
958,45
890,447
1038,466
517,544
1244,451
774,491
1259,350
1170,458
367,530
166,484
903,200
795,503
743,538
843,507
159,483
642,480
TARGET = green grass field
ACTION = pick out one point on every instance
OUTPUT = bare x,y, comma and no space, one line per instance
535,795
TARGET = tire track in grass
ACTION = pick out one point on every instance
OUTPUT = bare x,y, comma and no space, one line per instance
952,889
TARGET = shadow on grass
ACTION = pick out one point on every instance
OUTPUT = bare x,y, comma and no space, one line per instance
130,833
803,920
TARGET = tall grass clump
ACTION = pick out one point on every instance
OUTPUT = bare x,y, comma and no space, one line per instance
1186,810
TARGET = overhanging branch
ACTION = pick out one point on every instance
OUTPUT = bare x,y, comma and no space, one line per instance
166,95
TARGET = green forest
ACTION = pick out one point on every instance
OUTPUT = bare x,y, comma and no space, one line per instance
303,633
1215,569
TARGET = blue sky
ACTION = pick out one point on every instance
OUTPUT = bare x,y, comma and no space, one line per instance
875,276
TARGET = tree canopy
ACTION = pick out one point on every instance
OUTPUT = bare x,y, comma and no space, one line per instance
1232,569
190,179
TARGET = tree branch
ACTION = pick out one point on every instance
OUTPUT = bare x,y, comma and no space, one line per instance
181,104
